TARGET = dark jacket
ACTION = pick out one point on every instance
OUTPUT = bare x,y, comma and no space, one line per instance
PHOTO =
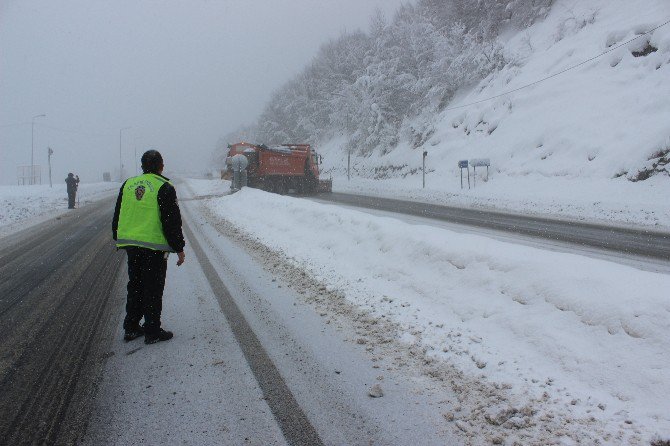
170,215
72,184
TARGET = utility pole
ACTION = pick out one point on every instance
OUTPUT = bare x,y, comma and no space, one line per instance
425,153
348,164
32,149
136,172
120,159
49,153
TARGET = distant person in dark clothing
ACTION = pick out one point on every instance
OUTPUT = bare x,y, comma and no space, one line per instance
147,224
72,185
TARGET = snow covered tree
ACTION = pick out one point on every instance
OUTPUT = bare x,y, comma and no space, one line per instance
375,87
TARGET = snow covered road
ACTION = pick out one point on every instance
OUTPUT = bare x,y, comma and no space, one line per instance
212,385
289,314
541,347
632,241
643,248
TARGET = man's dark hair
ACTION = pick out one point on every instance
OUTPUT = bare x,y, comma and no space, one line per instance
151,161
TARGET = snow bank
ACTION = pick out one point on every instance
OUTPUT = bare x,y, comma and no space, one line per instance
617,202
208,187
590,333
22,206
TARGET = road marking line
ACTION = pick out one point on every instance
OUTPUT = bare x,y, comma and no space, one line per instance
292,420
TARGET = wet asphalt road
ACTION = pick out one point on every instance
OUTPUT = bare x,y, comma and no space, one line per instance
56,282
646,243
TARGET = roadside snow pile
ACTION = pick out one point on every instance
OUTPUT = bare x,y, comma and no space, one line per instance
27,205
581,334
208,188
617,202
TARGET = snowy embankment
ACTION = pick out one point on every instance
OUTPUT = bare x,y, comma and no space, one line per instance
617,202
579,145
585,337
23,206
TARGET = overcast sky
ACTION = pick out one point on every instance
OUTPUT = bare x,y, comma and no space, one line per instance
181,74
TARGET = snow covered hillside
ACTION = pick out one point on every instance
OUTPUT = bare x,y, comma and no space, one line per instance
591,142
568,146
607,118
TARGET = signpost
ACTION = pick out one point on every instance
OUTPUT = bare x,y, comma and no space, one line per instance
463,164
425,154
481,162
29,175
50,152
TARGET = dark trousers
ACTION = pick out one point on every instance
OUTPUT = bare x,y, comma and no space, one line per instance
70,200
146,281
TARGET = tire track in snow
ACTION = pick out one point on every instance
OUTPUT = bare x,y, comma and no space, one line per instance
293,422
49,357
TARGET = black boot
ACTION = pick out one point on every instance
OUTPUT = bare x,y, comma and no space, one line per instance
133,333
160,335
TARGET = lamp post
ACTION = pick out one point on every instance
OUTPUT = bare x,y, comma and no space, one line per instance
120,160
136,172
423,169
349,164
32,148
49,153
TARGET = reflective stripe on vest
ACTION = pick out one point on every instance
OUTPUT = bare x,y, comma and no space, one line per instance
139,216
123,242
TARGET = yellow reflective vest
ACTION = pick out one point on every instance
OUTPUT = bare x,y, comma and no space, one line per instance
139,216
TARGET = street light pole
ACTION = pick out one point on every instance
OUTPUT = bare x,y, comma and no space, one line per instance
136,173
120,159
423,169
349,165
49,153
32,149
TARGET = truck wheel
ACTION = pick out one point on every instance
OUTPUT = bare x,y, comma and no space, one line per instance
311,184
283,187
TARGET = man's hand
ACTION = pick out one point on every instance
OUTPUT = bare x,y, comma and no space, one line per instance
181,258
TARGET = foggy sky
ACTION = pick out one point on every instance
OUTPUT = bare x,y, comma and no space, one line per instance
181,74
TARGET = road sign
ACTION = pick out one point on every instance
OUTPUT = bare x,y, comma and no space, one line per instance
480,162
463,164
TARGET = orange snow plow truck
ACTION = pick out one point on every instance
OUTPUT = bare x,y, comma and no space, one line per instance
281,168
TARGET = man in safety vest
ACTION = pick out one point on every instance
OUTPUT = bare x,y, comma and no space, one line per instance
147,224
